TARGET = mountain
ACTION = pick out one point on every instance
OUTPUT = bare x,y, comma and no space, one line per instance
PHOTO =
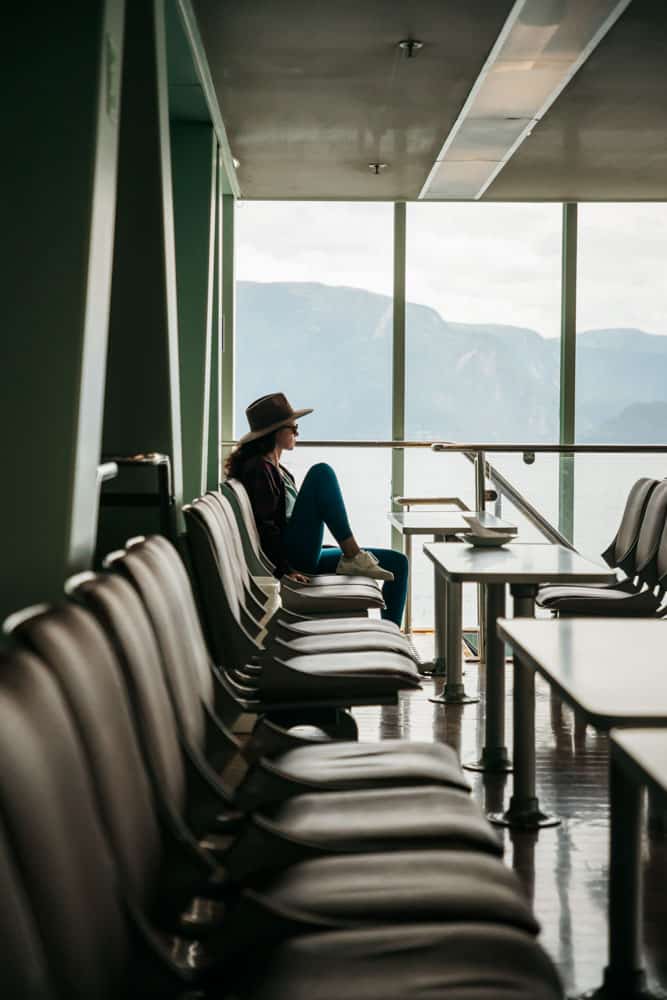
331,347
640,422
615,370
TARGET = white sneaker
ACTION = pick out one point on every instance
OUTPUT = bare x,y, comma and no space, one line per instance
363,564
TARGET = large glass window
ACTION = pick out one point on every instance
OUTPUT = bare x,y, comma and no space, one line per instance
621,384
621,324
314,313
314,319
482,325
482,350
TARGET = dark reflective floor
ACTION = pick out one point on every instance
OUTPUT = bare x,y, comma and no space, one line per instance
563,868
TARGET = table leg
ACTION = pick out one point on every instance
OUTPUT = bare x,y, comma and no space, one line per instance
408,597
454,692
624,977
494,754
437,667
524,812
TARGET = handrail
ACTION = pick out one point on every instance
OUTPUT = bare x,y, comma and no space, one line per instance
525,507
560,449
453,446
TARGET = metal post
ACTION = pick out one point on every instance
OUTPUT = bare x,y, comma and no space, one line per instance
407,620
398,367
524,811
624,976
440,626
568,355
454,691
480,480
494,754
228,318
480,505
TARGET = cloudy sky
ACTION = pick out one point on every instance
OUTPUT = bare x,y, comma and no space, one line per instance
472,262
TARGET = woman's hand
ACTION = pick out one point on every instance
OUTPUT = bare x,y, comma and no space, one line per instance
298,577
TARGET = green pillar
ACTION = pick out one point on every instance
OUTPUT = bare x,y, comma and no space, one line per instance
194,165
228,316
214,472
398,365
142,402
58,173
568,355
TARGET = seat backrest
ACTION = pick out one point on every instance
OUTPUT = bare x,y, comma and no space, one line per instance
51,821
252,599
621,553
155,569
222,505
77,652
23,969
232,634
119,610
258,564
227,550
650,533
661,562
245,507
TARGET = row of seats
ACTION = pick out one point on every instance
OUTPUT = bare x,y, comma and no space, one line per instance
144,850
638,551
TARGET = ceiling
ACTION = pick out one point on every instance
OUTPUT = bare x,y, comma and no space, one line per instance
311,93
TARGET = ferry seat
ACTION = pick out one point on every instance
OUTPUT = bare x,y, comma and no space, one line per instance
324,634
59,751
634,550
167,689
302,601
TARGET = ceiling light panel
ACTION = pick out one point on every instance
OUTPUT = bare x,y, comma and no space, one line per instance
539,49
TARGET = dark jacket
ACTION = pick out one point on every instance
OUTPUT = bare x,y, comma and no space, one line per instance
266,489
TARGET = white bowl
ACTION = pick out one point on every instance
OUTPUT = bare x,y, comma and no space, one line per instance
493,540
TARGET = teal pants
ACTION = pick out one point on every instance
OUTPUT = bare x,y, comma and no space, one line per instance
320,503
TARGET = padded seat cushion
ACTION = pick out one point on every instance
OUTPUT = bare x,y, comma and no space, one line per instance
347,766
598,601
318,600
344,766
361,822
399,888
364,662
330,626
354,641
342,676
335,580
376,820
428,962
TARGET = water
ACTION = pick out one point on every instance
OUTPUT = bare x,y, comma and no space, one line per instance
602,483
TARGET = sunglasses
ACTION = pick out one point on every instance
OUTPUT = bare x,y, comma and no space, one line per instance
294,428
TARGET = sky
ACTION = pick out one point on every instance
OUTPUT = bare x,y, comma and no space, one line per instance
472,262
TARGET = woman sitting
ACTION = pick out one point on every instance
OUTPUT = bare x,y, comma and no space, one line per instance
291,521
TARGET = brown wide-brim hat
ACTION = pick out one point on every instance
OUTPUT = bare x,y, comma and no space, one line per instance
269,413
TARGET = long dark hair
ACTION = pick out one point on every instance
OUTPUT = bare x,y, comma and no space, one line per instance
258,446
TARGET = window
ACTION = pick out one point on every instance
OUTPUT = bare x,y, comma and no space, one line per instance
483,320
314,313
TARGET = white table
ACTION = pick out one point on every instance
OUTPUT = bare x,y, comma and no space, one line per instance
613,671
638,759
442,526
523,567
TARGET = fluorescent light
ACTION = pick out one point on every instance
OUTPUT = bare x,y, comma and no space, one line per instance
539,49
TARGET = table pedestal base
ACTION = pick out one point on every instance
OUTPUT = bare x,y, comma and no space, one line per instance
523,814
453,694
629,986
493,760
